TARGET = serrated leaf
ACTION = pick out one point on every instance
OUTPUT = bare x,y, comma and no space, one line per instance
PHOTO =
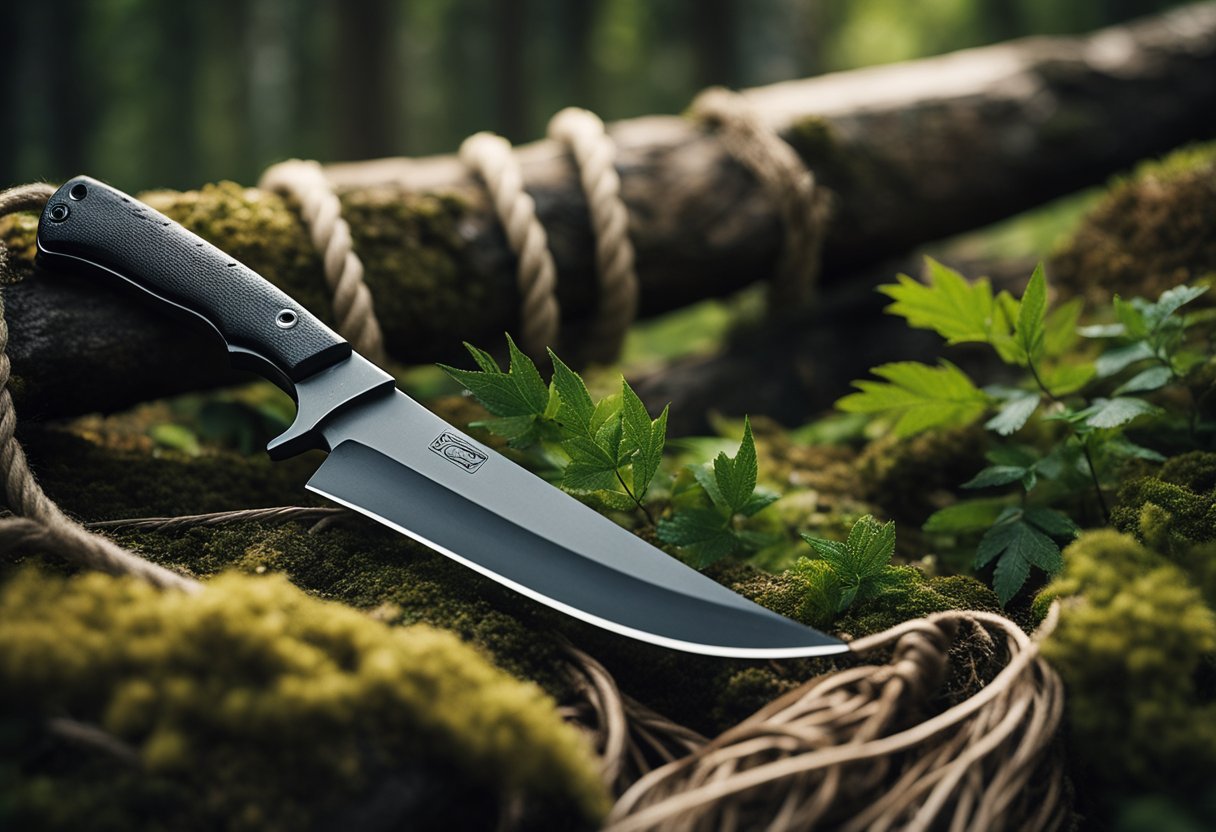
1052,522
1113,413
606,409
705,477
1154,378
760,500
1063,379
588,477
1032,314
1009,576
1015,545
995,475
497,392
650,456
736,476
1060,332
923,396
576,405
612,500
588,451
689,526
608,437
1131,317
1013,414
1173,299
532,387
634,417
483,359
708,552
965,516
519,431
1120,358
1121,446
871,545
946,303
833,552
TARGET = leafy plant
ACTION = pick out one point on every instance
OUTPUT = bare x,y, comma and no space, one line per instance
708,530
857,569
1081,397
608,450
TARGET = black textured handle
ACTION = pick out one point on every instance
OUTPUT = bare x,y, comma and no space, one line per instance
89,226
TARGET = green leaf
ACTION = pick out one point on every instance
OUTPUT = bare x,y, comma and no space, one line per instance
1172,300
947,304
995,475
834,552
644,435
1060,334
1131,317
1113,413
1120,358
608,437
965,516
737,477
1052,522
1009,576
577,408
702,533
1018,545
588,477
532,387
1062,379
483,359
519,431
1103,331
1120,446
586,450
870,545
1013,414
704,475
922,396
760,500
1154,378
1032,315
497,392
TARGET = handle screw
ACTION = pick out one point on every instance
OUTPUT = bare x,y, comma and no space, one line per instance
286,319
59,212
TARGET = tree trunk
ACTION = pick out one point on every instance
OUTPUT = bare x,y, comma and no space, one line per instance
914,152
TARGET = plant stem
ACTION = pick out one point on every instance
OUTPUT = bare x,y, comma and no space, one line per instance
636,501
1093,474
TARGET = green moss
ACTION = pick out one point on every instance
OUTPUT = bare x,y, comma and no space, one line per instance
1135,646
254,706
1153,230
18,246
259,229
414,249
910,478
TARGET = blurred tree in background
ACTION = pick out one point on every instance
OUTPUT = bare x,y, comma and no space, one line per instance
149,93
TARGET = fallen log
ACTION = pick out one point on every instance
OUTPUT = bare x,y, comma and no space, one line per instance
913,152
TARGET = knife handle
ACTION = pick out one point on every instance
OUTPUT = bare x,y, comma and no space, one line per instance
89,227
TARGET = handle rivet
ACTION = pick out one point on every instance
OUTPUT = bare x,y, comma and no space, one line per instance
79,191
59,212
286,319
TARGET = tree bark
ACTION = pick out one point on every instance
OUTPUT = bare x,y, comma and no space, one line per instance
913,152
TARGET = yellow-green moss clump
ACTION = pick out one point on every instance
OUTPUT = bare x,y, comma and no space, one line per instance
1153,230
910,478
1136,647
253,706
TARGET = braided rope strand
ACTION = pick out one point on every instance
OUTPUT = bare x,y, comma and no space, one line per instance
305,182
595,155
804,210
39,522
489,156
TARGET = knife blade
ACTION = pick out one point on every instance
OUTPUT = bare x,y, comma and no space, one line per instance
396,462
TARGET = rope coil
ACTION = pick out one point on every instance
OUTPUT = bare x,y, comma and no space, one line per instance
305,182
804,208
489,156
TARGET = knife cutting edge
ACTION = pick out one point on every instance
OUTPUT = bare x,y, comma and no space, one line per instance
396,462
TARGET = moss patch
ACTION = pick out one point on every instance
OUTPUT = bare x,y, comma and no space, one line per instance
254,706
1136,646
1153,230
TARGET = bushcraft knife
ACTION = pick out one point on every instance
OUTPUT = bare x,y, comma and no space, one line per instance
398,463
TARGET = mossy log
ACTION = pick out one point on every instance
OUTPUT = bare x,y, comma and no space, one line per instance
913,152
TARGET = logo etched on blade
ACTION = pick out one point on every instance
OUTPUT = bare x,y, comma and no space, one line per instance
458,451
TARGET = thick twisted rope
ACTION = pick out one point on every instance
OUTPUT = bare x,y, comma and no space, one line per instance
489,156
853,750
594,155
804,210
305,182
39,522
